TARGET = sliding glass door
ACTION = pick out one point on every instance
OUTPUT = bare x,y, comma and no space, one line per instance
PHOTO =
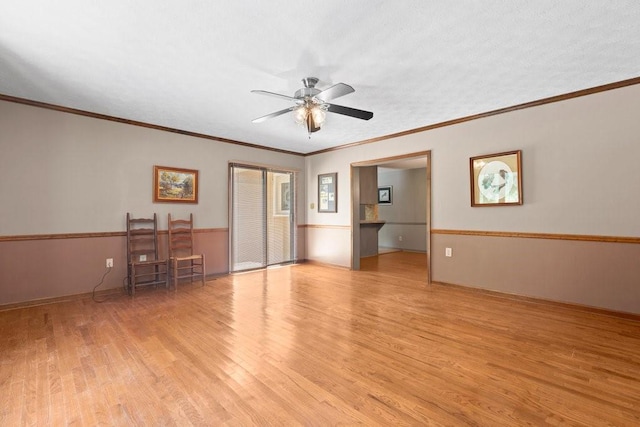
262,217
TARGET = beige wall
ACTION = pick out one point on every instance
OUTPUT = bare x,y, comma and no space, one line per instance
75,174
55,267
596,274
579,177
329,245
406,217
64,174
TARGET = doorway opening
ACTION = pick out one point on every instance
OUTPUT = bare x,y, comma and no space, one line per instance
391,208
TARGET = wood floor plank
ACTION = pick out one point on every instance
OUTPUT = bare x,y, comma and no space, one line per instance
311,345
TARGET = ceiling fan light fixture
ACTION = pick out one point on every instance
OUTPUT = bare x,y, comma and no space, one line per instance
300,114
311,116
312,125
312,104
318,114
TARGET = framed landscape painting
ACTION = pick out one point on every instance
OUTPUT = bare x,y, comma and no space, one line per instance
175,185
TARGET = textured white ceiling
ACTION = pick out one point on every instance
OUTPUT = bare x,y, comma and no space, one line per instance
190,65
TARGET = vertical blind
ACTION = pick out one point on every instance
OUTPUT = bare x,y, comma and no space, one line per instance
262,231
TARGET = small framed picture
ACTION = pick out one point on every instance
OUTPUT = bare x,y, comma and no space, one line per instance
496,179
328,192
385,195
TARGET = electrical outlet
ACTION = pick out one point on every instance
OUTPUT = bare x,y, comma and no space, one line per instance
399,238
143,258
109,262
447,252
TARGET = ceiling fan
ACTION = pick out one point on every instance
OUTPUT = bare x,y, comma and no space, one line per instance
311,104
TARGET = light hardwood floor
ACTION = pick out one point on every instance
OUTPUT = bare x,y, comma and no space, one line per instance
310,345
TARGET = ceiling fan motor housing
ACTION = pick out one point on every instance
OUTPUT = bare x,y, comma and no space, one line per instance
309,90
310,81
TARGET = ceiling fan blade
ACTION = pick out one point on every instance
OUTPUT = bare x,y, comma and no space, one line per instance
276,114
277,95
351,112
335,91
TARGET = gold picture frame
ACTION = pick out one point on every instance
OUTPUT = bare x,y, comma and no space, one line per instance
496,179
175,185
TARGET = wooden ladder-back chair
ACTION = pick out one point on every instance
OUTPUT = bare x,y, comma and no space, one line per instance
144,264
182,261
